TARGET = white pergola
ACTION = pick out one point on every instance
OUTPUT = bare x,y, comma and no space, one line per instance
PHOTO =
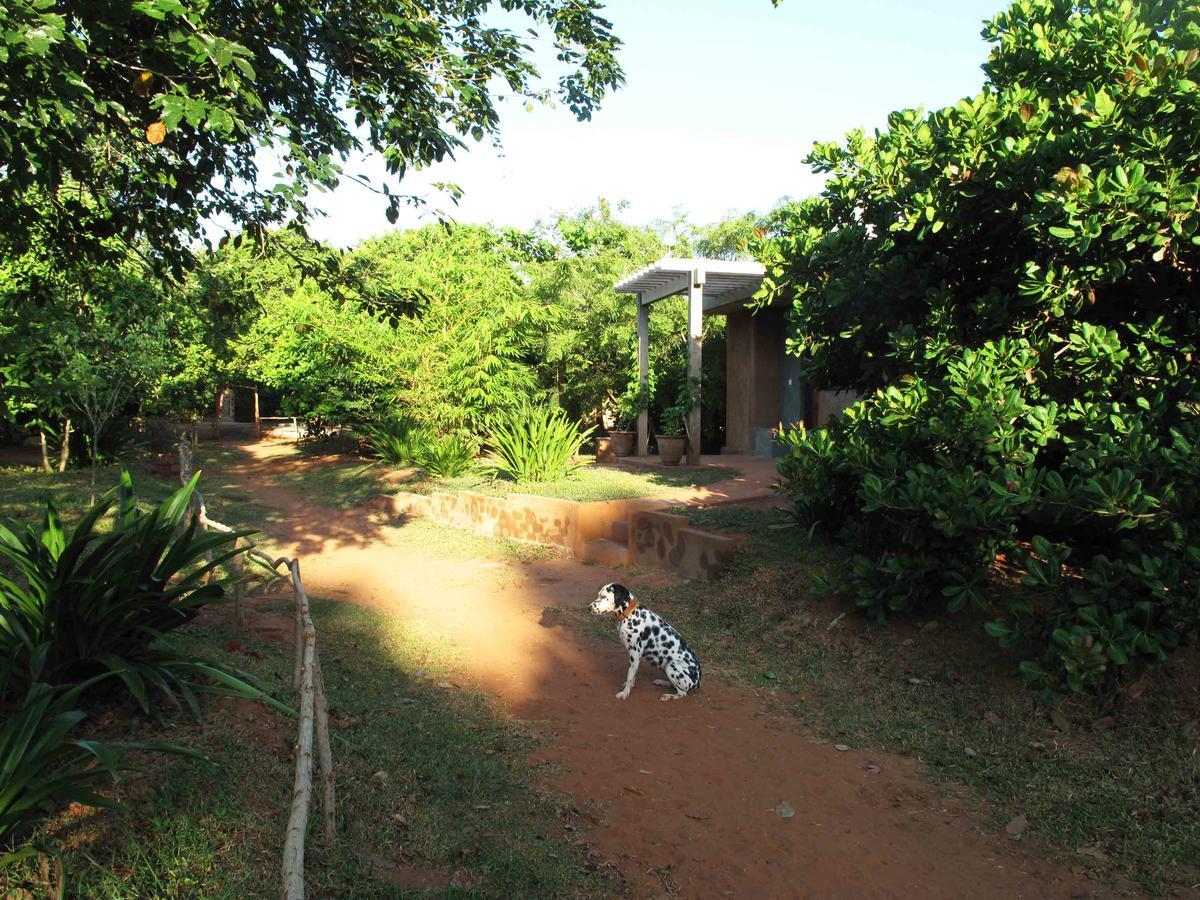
712,285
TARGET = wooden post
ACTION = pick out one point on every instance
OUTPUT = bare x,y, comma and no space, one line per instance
643,328
695,346
257,417
293,846
217,425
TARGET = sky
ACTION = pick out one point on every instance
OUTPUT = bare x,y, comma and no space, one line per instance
722,101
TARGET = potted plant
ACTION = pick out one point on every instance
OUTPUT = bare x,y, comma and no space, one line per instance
672,436
630,405
672,442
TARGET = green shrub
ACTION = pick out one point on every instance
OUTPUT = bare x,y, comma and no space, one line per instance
536,443
89,602
1012,284
398,441
449,456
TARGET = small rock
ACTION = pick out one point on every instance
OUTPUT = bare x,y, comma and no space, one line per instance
1103,724
871,768
928,627
993,718
400,820
784,810
1017,825
381,776
408,700
915,681
841,747
445,685
970,751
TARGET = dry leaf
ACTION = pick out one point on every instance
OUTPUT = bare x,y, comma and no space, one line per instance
156,132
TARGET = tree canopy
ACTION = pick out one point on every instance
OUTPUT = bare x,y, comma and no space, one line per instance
145,119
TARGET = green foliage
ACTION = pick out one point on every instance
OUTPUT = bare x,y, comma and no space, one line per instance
449,456
1012,282
333,363
154,118
589,358
89,602
42,766
465,328
398,441
536,443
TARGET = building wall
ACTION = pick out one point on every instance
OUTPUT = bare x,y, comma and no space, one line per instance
753,371
763,384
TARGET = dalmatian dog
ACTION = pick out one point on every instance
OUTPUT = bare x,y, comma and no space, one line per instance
646,635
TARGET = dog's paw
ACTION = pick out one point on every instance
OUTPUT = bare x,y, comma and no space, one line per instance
622,695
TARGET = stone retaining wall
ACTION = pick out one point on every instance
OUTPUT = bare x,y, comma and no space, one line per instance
655,539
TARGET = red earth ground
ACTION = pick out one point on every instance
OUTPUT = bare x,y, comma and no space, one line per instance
682,795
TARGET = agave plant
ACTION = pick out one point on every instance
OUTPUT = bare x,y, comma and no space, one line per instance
90,602
536,443
398,441
448,456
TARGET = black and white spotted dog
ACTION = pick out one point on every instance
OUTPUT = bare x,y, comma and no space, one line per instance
646,635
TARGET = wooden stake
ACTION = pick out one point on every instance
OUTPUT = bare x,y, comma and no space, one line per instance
293,846
328,806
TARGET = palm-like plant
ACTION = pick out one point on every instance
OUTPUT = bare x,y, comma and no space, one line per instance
536,442
448,456
397,441
90,602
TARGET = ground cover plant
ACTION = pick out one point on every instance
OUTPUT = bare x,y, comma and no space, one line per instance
1032,391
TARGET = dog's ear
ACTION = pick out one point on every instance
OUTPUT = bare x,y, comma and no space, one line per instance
621,595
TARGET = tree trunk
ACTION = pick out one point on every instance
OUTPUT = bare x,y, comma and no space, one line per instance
64,452
45,458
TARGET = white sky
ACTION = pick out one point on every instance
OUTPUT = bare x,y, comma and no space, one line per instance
722,100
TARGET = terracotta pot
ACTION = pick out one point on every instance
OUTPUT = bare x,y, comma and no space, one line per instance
622,442
670,449
604,450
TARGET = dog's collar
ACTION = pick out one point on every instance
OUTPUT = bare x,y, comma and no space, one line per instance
622,616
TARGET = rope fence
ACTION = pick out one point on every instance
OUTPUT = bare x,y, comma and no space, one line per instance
306,677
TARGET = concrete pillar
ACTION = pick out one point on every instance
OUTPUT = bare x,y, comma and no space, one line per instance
643,422
695,347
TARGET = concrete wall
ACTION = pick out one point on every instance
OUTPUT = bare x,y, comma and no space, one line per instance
652,538
661,540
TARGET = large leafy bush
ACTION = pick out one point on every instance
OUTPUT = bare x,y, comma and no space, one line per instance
536,442
1012,282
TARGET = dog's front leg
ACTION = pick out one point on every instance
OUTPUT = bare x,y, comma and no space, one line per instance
634,658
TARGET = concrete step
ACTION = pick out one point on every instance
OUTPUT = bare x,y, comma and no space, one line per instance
619,531
606,553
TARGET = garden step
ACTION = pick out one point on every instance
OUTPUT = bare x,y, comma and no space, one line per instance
619,531
606,553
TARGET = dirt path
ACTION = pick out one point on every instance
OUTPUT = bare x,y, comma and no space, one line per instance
682,796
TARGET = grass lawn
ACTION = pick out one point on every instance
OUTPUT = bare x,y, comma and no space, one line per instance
1123,791
589,482
433,781
345,485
